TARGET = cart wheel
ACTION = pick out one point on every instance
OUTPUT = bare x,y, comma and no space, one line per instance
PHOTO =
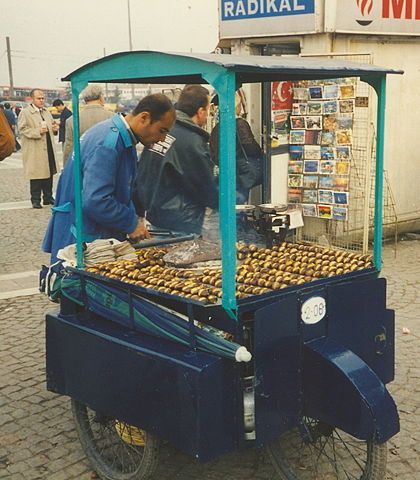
116,450
317,451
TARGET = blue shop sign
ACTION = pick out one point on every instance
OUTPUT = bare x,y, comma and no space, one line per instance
246,9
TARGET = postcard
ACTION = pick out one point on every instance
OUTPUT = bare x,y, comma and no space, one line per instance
343,152
330,123
326,182
280,120
315,92
296,152
308,210
294,195
344,123
295,166
312,152
340,183
297,137
294,181
325,196
300,94
312,137
326,166
331,91
339,213
347,91
362,102
310,181
341,198
299,109
297,122
343,137
311,166
324,211
327,153
346,106
327,138
310,196
314,108
342,168
330,106
314,122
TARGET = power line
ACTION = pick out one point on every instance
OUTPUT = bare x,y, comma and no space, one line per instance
45,54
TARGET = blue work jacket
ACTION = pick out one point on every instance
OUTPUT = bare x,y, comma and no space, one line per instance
108,158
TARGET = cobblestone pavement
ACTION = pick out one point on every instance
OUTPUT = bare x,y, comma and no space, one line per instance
37,436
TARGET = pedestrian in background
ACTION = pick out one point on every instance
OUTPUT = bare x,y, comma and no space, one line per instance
11,117
65,113
249,156
93,113
36,128
7,138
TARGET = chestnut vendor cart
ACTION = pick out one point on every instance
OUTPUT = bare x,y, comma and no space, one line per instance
139,369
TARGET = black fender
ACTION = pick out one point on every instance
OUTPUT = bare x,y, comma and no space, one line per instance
341,390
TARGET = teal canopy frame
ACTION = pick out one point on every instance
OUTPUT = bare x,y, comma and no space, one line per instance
225,73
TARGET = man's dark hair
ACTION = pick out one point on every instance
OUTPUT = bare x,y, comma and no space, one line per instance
7,105
156,104
57,102
192,98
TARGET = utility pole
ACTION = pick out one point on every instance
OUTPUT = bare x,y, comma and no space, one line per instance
106,85
130,40
9,61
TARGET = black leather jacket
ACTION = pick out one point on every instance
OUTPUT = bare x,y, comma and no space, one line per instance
174,187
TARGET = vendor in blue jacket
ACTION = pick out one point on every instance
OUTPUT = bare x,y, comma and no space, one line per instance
109,161
175,181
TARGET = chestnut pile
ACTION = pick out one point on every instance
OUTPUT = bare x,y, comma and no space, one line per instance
261,270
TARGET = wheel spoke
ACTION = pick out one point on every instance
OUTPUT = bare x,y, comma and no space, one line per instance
350,452
317,451
113,446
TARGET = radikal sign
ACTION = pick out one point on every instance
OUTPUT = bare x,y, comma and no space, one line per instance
250,18
394,17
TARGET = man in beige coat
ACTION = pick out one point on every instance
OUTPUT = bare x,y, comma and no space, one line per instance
93,113
36,127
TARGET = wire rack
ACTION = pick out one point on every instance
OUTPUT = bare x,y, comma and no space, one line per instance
356,232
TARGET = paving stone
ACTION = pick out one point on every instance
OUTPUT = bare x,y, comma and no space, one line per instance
37,434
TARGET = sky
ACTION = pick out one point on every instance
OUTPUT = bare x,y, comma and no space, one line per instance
51,38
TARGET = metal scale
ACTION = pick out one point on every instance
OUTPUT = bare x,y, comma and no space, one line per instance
272,221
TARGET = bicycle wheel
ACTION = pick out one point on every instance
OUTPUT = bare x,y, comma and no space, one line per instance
317,451
116,450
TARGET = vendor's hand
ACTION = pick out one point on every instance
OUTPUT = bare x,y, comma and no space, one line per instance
55,127
140,233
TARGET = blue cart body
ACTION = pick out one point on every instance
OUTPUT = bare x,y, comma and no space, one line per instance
334,370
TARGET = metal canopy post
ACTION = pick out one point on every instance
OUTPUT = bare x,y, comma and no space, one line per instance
76,88
225,85
379,84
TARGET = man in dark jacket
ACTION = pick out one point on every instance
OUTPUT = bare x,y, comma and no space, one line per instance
65,113
175,180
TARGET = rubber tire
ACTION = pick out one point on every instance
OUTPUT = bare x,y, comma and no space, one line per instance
147,463
374,469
